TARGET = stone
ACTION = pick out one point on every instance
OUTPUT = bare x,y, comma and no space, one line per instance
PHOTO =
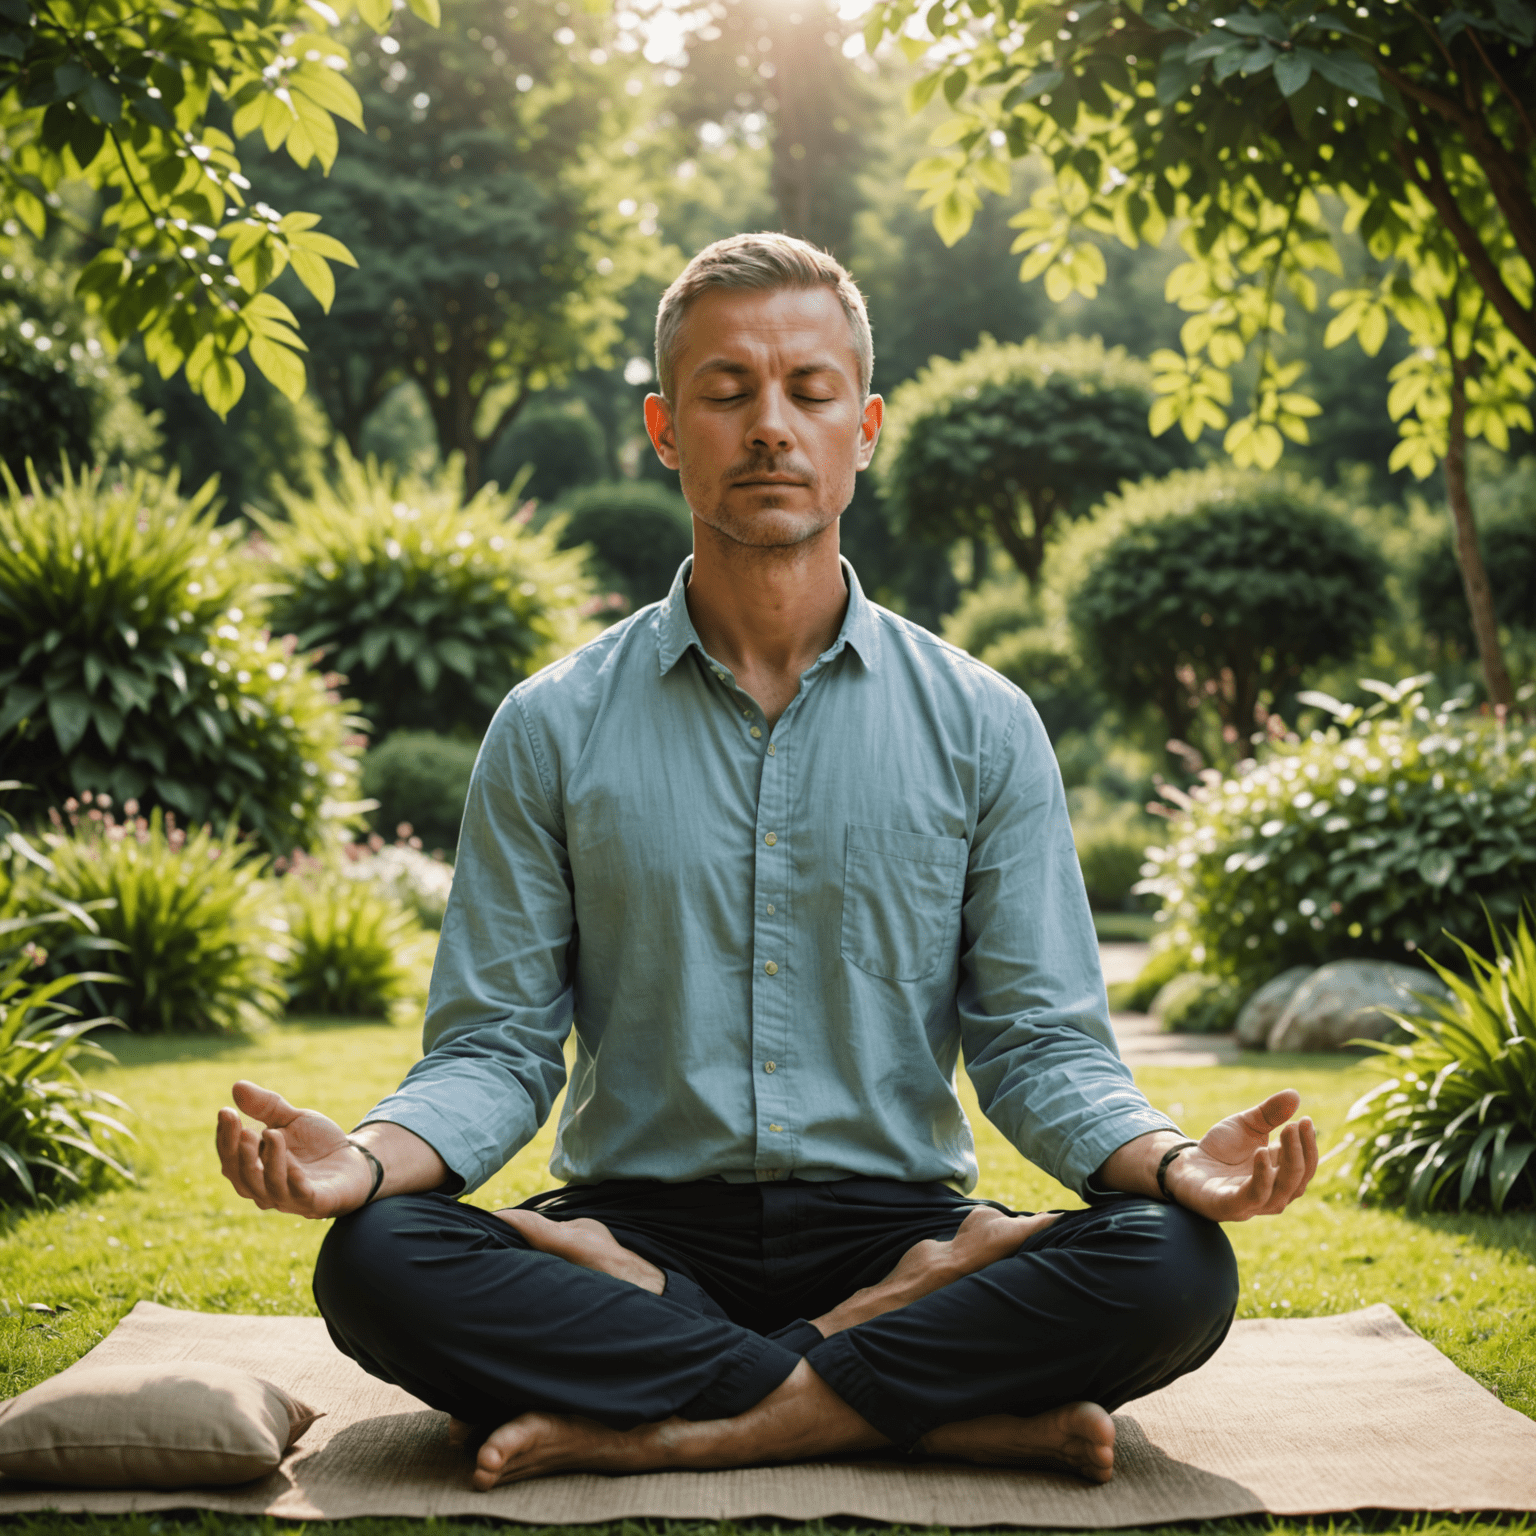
1260,1012
1343,1001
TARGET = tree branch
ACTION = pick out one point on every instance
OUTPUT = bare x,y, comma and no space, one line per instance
1484,270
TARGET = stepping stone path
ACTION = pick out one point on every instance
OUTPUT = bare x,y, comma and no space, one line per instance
1142,1043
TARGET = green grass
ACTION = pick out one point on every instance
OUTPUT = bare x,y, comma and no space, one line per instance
181,1237
1124,927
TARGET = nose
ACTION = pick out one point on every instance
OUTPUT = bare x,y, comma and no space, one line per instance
770,428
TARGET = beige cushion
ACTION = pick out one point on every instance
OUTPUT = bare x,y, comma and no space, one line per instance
149,1426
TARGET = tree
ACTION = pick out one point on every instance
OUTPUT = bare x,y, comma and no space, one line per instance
131,98
1222,589
1236,118
485,213
1008,440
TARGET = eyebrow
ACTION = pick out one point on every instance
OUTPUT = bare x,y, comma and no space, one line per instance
727,365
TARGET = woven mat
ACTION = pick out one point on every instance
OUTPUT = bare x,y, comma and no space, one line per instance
1310,1416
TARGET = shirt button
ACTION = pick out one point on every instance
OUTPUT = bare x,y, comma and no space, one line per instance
770,751
775,1127
756,732
770,1066
773,970
746,714
771,839
770,909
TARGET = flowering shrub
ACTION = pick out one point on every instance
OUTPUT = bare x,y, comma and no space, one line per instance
1368,839
419,881
198,942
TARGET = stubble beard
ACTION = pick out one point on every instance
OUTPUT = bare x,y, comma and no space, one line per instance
771,524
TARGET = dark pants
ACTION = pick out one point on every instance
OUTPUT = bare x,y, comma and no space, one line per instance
447,1301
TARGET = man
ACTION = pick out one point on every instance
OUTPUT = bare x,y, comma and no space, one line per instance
780,855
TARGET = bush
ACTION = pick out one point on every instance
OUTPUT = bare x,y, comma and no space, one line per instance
562,444
1197,1004
201,945
355,950
1367,839
420,882
1220,587
1165,963
431,606
56,1137
1508,543
1010,440
128,669
640,533
1112,842
1456,1126
421,780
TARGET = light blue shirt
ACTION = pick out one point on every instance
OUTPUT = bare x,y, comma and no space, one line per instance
773,943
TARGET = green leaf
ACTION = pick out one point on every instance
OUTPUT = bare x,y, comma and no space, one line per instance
1175,74
69,713
315,273
428,10
1509,1158
20,702
377,13
1292,71
1349,72
1437,866
280,365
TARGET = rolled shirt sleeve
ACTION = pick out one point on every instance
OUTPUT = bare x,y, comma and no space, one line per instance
499,1007
1033,1014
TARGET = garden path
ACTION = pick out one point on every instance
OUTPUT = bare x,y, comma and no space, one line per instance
1142,1043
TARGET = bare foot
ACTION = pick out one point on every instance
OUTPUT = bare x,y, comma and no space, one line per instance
539,1444
588,1243
1079,1437
985,1236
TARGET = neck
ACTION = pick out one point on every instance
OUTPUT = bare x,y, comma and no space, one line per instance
766,611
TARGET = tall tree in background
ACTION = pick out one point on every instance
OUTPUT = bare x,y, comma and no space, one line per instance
1235,118
485,218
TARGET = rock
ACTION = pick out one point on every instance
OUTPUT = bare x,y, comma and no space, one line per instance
1260,1012
1343,1001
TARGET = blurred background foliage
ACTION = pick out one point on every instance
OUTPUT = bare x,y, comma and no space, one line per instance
528,178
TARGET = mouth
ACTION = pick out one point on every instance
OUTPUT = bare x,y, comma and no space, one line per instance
769,480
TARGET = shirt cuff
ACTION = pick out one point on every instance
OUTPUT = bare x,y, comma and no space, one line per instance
1090,1150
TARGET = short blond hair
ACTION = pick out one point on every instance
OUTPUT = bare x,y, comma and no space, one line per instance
763,262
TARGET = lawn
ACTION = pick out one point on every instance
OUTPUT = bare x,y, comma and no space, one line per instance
182,1238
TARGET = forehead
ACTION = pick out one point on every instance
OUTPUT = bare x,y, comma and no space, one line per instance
766,329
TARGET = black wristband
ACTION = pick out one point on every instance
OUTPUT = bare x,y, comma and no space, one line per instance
378,1169
1162,1168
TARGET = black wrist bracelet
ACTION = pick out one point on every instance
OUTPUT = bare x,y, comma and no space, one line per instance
1162,1168
378,1169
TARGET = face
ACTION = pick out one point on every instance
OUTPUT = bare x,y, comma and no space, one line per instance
768,425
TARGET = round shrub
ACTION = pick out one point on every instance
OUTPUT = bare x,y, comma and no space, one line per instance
198,941
1112,846
1366,840
354,949
562,444
1197,1004
420,780
1508,543
1221,587
640,533
431,606
130,669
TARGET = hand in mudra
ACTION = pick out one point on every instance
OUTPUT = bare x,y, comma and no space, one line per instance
301,1163
1234,1173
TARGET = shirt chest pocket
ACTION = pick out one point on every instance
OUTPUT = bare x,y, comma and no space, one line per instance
901,896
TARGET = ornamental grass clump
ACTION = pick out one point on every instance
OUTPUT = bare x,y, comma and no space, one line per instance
201,942
433,607
1455,1127
1370,839
355,950
131,667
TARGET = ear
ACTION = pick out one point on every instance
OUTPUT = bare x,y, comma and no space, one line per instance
869,429
658,423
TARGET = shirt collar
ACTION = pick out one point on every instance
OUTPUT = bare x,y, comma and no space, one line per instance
675,632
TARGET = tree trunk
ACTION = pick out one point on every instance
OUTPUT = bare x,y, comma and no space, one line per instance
1026,550
1474,577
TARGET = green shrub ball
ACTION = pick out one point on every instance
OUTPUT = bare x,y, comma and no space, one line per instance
420,779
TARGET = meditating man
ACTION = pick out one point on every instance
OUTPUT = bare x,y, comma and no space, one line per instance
780,856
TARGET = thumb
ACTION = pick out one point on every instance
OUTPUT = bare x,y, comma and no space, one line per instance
263,1104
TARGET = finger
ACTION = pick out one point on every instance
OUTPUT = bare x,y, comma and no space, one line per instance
226,1138
1308,1148
274,1167
235,1168
1290,1170
1263,1118
263,1104
1261,1183
252,1176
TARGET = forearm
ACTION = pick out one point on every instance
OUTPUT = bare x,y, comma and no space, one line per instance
1132,1169
411,1166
